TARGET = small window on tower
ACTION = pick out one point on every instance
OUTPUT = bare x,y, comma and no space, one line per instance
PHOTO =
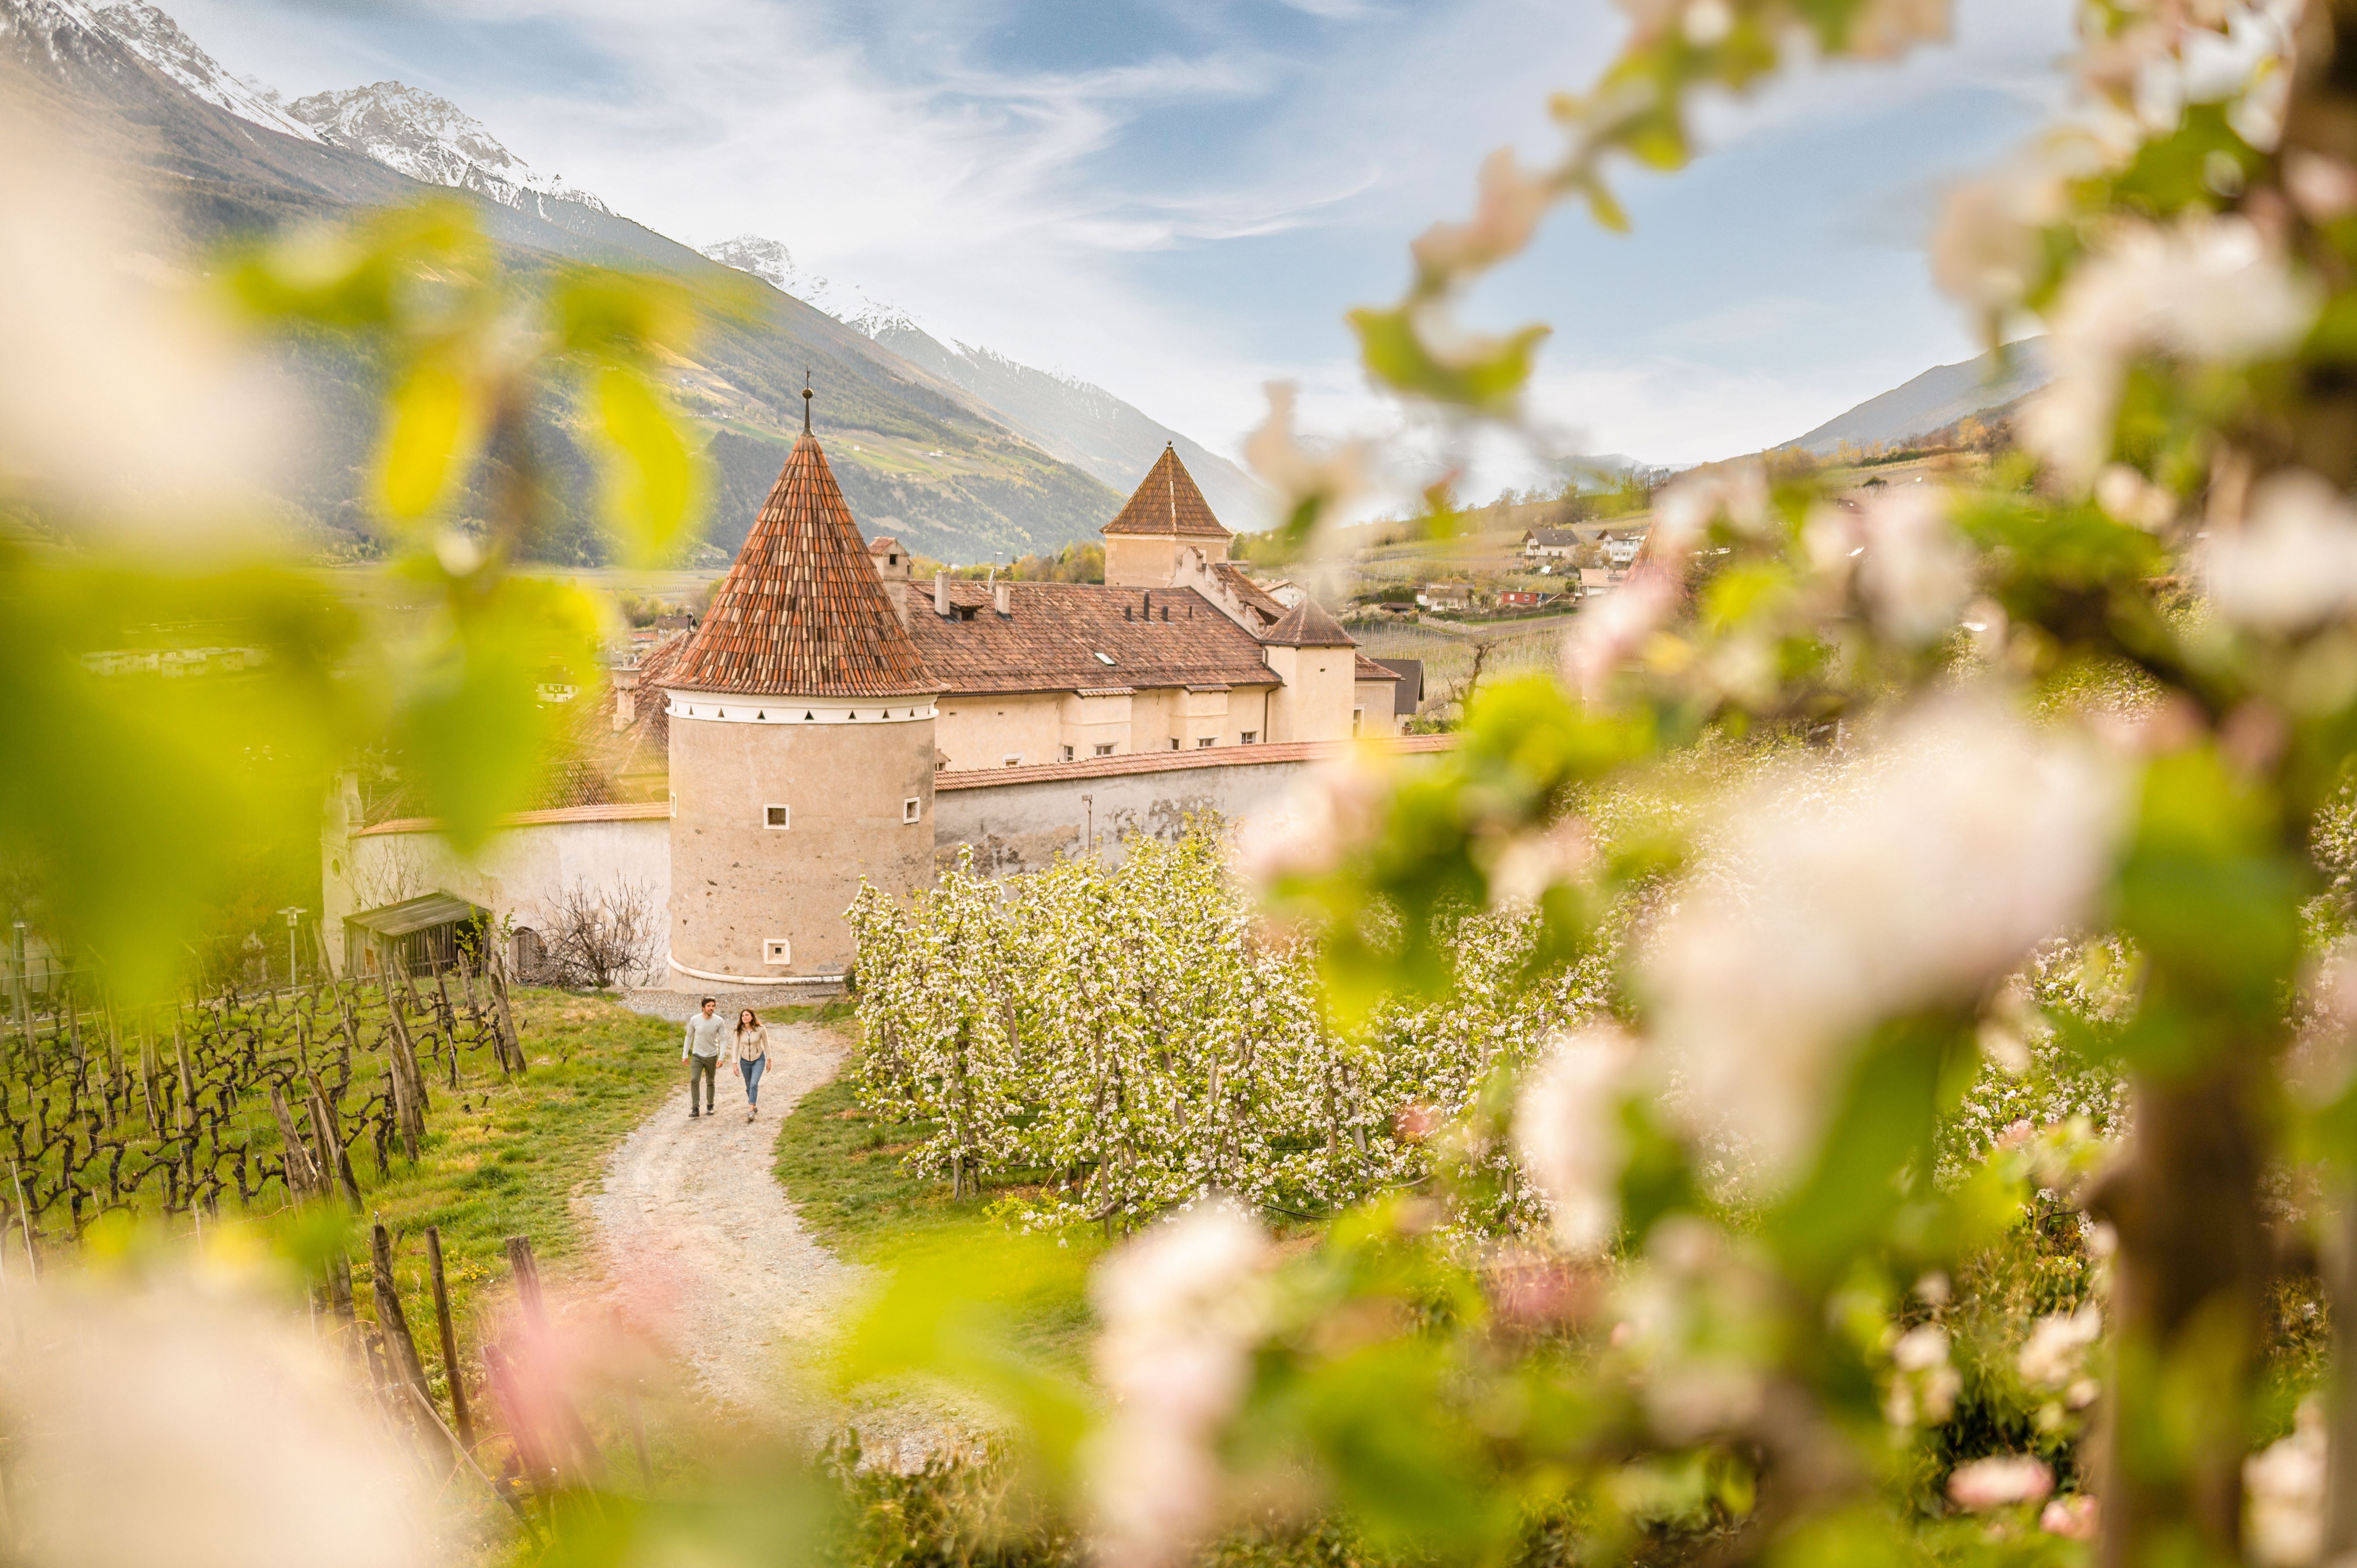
1174,743
776,816
1248,737
1206,740
778,950
1103,749
909,810
1067,754
1013,759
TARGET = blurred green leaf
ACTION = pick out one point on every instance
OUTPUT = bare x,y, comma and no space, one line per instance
651,475
1488,381
433,417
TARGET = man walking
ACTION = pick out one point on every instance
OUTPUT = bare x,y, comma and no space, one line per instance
706,1033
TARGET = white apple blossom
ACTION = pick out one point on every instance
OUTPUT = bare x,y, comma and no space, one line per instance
1999,1480
2284,1491
2293,562
2208,290
1327,479
1181,1305
1568,1130
1838,895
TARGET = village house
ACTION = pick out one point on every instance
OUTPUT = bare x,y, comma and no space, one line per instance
1550,544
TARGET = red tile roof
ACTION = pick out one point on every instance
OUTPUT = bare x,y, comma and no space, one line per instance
1307,625
1174,761
1264,608
802,612
1368,669
1168,503
1050,640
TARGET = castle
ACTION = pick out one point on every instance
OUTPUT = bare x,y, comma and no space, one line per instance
831,719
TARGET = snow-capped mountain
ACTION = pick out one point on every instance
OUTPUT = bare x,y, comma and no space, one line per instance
155,38
429,138
1073,419
774,264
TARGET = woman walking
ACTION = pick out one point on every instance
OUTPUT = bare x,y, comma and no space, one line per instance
752,1046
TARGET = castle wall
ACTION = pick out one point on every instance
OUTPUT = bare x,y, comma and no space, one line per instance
739,884
1141,560
1024,825
518,875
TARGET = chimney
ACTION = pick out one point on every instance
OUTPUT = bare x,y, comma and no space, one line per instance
899,597
942,595
1149,603
1002,598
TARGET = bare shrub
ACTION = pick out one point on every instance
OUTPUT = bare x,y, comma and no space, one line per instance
601,937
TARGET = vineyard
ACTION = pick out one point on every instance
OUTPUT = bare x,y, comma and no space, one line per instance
258,1099
1130,1037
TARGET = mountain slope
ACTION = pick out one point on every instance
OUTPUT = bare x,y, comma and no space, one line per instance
1084,425
915,454
1940,396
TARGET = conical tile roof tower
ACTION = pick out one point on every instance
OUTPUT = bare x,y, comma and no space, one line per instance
802,612
801,727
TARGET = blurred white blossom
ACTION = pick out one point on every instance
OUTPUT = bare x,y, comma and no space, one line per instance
2293,562
1988,246
2209,290
1306,831
1917,573
175,1422
1841,896
2284,1487
1567,1129
1328,480
1923,1382
1181,1305
1999,1480
1609,634
2054,1357
1506,213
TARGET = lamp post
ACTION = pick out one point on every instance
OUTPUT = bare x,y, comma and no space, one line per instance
294,914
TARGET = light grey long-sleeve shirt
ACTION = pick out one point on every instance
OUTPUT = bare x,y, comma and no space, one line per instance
705,1035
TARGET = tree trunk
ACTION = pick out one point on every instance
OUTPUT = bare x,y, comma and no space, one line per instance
2188,1289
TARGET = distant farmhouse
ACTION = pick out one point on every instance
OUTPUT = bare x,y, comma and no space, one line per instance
829,721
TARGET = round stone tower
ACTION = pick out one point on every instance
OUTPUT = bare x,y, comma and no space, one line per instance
801,748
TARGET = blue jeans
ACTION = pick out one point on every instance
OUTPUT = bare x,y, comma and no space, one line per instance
752,1074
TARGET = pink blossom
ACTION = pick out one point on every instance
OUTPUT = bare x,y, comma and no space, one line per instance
2002,1479
2072,1518
1506,213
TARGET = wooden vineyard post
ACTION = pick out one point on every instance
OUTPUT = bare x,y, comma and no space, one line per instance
392,1321
404,1054
25,1221
332,1135
526,1269
499,973
450,1366
303,1179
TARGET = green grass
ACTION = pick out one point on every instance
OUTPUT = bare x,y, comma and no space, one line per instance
842,1169
506,1159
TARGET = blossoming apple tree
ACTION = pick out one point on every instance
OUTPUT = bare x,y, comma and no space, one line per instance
2099,697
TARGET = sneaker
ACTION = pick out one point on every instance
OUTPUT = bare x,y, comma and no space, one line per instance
694,1115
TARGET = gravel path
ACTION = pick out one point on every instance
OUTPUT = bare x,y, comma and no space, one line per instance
700,1245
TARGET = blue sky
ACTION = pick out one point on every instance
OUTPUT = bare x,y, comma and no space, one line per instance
1178,198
